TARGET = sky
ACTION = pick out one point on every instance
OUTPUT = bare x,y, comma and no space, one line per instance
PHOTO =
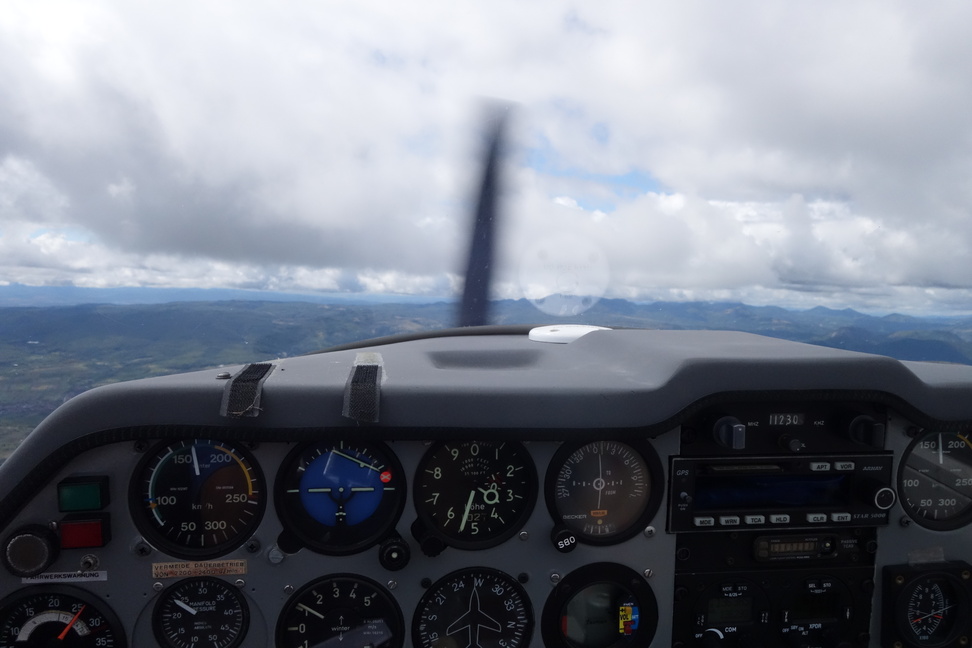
797,154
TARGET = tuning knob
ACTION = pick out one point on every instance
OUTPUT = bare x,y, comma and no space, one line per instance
394,553
30,550
563,539
730,432
866,430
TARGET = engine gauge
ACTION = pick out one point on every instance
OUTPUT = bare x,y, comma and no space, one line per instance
931,607
477,606
197,499
64,616
604,491
341,610
935,480
340,497
475,494
200,612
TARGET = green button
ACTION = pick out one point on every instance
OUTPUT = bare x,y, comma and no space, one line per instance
82,494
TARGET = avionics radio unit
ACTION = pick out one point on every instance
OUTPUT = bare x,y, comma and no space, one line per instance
772,492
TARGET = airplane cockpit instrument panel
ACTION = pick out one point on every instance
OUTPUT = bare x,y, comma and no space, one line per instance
624,489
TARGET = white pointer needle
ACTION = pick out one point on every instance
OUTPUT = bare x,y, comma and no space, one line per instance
465,514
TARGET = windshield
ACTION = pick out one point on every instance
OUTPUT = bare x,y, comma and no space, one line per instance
237,181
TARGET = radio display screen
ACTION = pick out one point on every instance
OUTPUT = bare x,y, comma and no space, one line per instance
722,492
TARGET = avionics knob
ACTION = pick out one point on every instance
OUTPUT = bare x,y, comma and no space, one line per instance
30,550
563,539
866,430
730,432
712,638
394,553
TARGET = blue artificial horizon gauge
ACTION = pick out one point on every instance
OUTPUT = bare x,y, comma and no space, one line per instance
337,497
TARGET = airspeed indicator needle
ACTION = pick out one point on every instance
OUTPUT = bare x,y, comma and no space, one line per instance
70,624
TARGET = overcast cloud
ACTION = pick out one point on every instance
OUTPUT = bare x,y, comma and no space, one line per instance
789,153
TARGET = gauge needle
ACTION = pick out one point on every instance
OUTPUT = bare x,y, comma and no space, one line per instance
185,606
301,606
70,625
940,461
355,460
465,514
195,460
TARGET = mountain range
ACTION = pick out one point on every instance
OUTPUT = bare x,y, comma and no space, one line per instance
50,353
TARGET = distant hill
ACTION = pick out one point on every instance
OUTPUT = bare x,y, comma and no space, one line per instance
49,354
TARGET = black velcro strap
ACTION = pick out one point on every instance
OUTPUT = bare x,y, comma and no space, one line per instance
241,396
362,393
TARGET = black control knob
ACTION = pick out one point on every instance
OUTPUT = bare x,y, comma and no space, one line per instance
564,540
712,638
730,432
430,544
791,443
394,553
30,550
866,430
875,493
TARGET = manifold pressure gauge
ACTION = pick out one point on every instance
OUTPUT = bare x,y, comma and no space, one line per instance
201,612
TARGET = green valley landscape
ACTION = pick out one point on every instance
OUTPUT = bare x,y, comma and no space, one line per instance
51,353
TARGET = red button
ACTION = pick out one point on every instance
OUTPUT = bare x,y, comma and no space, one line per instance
81,534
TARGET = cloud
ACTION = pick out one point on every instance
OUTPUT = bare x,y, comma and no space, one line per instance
771,152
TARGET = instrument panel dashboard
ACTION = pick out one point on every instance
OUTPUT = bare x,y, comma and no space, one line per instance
626,502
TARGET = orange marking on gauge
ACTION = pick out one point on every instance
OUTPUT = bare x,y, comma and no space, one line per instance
599,513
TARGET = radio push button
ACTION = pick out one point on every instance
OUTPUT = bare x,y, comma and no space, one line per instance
755,519
816,518
704,521
779,518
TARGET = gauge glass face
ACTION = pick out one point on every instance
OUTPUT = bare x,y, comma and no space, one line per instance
932,607
475,494
600,605
340,497
65,617
201,612
198,499
478,606
935,480
600,491
343,610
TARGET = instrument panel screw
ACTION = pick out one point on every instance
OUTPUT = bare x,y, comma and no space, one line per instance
157,586
392,584
142,549
648,573
223,375
905,521
426,583
141,446
240,583
554,578
288,589
253,545
649,532
523,577
524,536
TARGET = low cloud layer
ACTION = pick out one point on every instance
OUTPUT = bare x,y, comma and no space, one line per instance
766,153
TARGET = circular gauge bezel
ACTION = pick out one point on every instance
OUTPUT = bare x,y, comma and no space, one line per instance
314,605
916,510
592,575
108,620
491,594
225,598
902,615
196,546
651,500
341,539
456,486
